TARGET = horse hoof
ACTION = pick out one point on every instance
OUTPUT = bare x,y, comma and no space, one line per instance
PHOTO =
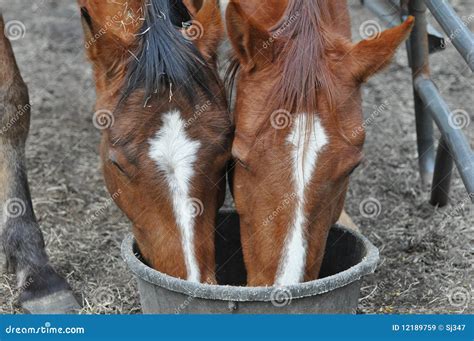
62,302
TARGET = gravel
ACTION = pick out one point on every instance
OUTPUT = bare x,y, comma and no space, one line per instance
426,252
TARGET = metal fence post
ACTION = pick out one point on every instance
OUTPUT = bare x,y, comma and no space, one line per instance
442,175
456,29
419,54
430,106
454,142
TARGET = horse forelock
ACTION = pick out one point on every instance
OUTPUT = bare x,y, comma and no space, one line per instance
301,39
305,73
164,60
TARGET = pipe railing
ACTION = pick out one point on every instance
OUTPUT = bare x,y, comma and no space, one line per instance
455,28
453,147
453,144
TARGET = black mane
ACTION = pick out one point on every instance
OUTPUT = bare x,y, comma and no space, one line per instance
164,60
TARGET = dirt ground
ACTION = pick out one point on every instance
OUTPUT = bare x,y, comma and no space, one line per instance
426,253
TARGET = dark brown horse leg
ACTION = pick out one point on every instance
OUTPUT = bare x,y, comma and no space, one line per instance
42,290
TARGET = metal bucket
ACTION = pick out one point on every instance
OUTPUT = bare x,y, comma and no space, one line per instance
349,256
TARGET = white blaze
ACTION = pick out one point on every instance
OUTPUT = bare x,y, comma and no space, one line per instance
304,157
223,6
175,154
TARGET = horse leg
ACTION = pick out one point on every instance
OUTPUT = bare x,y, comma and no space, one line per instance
42,290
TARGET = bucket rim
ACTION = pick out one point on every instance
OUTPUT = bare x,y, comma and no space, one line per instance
366,266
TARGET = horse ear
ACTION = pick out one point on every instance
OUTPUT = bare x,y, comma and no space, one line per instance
194,6
252,44
373,55
209,21
110,23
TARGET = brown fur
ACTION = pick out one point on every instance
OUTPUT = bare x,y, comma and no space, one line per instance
310,67
193,6
210,15
141,191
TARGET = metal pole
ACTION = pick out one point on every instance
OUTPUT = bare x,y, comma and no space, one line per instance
455,28
419,54
442,175
453,136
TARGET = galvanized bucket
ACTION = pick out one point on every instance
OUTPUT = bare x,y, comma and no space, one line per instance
349,256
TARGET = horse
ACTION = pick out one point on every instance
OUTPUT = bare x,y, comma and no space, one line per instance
21,241
167,132
166,139
298,82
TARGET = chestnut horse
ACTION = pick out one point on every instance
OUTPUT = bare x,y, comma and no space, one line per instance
167,131
298,103
166,141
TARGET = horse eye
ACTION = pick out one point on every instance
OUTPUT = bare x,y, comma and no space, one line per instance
353,170
243,164
118,167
